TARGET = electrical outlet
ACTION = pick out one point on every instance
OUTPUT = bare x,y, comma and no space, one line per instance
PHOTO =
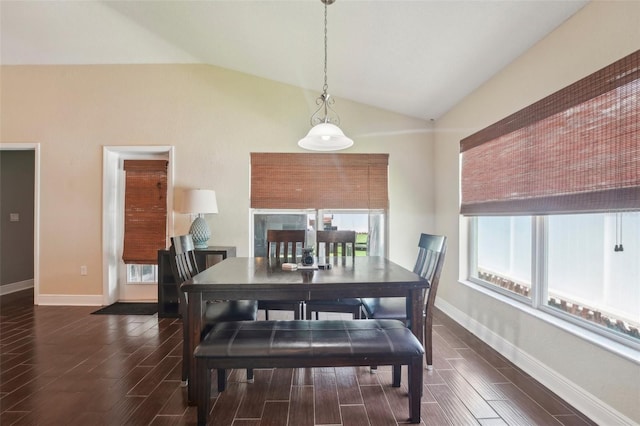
83,270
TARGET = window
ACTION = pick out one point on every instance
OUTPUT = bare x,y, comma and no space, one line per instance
142,274
586,271
593,272
504,253
553,192
369,227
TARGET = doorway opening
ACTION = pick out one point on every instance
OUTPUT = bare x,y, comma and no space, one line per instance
116,285
27,276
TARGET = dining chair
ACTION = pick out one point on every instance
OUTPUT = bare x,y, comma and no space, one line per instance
184,266
336,243
431,254
283,245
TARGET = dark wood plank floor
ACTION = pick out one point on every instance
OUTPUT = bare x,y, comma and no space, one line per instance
62,366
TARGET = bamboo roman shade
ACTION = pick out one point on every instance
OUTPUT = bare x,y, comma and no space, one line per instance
145,215
319,181
577,150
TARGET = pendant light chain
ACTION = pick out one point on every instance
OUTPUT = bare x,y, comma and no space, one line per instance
326,86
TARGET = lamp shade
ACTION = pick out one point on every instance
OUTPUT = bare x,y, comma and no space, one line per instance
325,137
200,201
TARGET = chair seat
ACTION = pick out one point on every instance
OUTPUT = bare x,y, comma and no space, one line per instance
385,307
230,310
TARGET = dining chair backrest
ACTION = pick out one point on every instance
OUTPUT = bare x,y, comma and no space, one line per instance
430,248
183,263
337,243
284,243
431,254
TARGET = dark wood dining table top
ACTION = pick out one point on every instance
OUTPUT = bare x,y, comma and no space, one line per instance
263,278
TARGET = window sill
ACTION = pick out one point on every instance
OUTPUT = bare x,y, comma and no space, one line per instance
624,351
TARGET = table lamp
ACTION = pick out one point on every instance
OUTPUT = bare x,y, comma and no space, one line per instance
200,202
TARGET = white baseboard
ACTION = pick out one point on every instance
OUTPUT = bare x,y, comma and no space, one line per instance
13,287
69,299
588,404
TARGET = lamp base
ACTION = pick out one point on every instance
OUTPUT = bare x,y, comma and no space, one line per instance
200,232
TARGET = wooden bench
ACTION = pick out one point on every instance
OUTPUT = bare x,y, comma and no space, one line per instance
307,343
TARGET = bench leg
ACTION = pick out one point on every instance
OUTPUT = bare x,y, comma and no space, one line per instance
396,375
415,389
222,379
203,391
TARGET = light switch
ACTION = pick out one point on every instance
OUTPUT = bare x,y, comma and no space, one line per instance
14,217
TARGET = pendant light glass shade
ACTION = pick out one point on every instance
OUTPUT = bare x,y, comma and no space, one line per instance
325,137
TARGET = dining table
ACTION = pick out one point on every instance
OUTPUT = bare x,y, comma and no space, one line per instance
262,278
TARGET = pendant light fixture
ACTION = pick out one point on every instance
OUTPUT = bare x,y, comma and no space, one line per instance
325,135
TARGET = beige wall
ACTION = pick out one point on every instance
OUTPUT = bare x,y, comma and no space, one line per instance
214,118
598,35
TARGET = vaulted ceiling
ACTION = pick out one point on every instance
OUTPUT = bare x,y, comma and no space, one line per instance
417,58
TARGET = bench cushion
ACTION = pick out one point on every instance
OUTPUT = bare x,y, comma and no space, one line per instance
308,339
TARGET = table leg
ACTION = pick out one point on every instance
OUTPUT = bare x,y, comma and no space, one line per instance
195,326
415,311
417,327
